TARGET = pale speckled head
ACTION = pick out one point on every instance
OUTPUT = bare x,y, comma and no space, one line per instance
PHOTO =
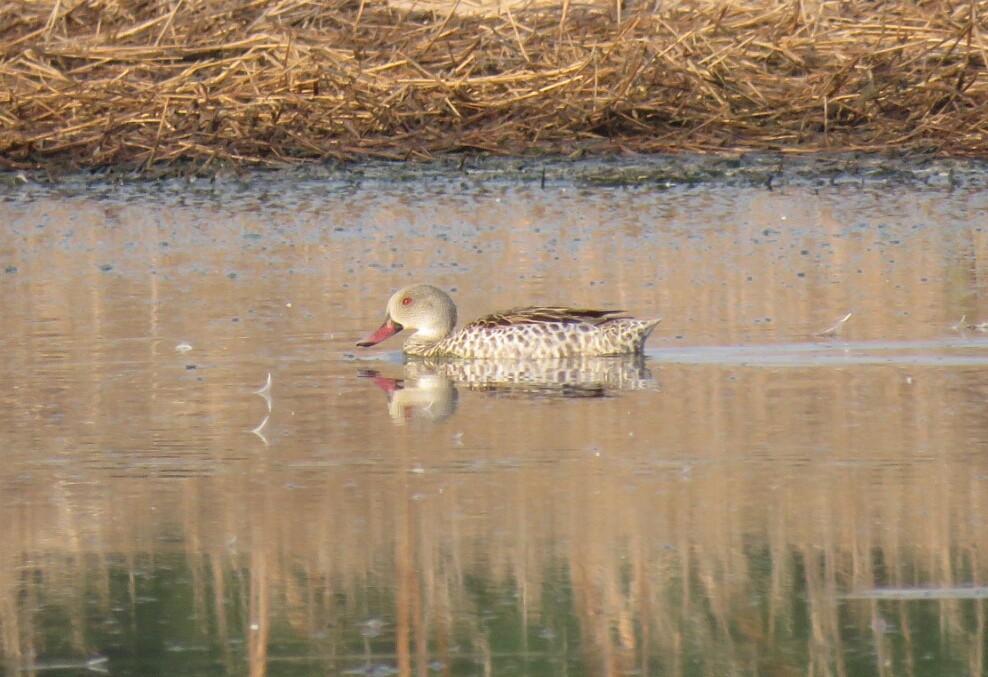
426,309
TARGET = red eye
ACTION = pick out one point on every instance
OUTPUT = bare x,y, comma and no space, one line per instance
406,301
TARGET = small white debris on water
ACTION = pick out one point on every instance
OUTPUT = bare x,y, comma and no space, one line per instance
266,388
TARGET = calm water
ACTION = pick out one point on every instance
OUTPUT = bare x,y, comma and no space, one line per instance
758,496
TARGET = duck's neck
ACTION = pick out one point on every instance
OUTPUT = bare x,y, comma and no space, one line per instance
423,345
426,337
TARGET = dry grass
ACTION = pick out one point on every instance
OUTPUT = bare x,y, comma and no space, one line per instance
154,83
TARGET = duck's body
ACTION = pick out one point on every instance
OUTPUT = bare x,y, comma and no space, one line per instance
530,332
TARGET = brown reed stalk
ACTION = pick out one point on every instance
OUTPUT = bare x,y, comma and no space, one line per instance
89,83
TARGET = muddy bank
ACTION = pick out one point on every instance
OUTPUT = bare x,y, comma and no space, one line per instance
196,88
763,170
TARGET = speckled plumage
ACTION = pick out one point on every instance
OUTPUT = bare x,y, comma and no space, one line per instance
519,333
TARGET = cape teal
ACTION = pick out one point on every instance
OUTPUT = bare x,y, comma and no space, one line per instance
518,333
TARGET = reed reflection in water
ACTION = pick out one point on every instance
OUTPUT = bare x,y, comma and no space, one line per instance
751,500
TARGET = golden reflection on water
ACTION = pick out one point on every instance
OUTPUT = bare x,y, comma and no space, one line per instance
714,521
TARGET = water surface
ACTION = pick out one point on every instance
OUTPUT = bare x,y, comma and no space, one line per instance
759,496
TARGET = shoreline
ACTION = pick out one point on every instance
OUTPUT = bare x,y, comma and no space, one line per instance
767,171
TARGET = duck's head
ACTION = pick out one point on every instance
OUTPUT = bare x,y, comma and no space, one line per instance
426,309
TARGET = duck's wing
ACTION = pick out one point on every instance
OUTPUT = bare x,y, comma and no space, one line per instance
544,315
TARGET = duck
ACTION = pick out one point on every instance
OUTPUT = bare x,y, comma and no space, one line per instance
530,332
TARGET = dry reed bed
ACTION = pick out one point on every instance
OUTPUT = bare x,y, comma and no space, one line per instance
101,82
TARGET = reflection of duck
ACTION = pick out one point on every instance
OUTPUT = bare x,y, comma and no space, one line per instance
560,377
531,332
429,396
429,389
